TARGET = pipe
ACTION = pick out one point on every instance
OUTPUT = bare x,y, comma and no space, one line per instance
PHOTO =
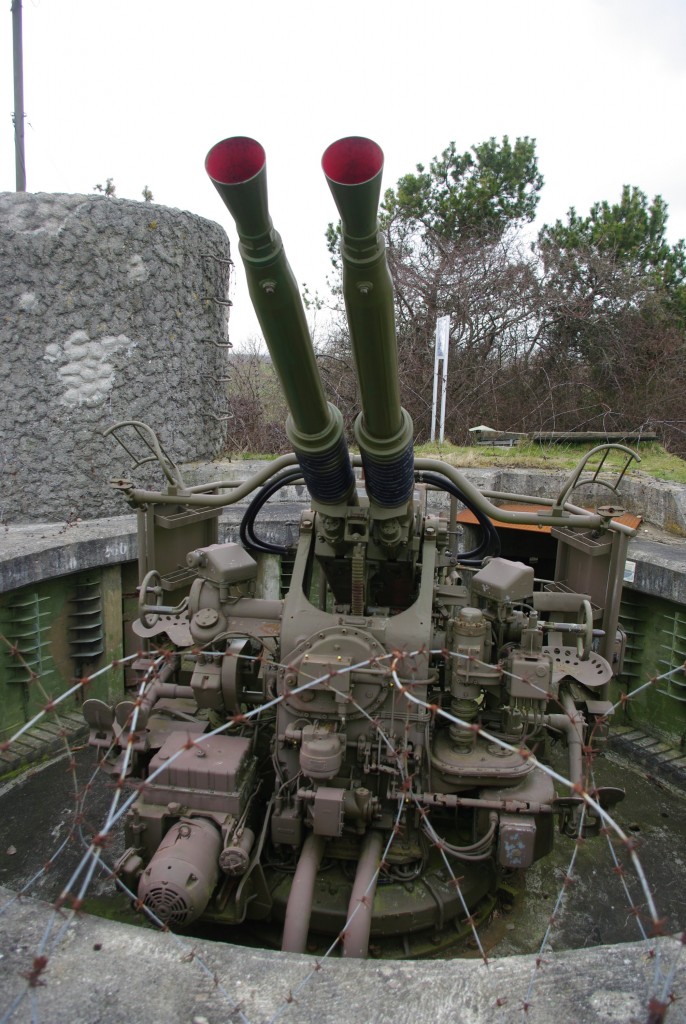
359,921
19,115
586,520
452,800
573,517
383,430
237,168
160,688
299,908
163,691
575,737
571,723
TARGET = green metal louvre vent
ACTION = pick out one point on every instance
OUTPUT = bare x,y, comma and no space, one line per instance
86,630
632,617
673,655
286,573
28,626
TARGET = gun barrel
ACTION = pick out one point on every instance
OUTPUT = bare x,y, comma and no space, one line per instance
237,168
353,167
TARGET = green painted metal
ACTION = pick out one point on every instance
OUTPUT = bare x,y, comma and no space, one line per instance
38,652
353,169
656,631
237,169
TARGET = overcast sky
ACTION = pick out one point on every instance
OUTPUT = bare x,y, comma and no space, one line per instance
139,90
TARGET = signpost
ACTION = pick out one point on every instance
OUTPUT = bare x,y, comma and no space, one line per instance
441,355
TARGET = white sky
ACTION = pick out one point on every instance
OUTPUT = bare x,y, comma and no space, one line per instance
139,90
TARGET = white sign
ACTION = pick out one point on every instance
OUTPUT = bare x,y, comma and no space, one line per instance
440,377
629,571
442,337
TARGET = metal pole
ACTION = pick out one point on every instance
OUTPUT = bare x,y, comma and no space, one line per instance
18,57
434,400
440,380
444,385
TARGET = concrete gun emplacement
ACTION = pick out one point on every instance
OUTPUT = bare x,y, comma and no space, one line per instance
360,757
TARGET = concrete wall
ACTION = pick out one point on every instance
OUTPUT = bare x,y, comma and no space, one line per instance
107,312
106,971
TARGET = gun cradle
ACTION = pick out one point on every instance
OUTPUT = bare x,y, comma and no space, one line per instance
357,759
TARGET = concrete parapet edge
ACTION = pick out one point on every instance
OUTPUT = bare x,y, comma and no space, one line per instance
660,568
106,971
29,554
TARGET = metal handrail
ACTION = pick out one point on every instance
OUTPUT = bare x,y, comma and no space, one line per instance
565,514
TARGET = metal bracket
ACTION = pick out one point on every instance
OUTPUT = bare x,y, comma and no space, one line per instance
219,344
219,419
151,441
574,480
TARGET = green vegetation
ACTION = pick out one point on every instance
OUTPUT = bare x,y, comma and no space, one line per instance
632,235
258,407
482,191
252,456
655,460
583,329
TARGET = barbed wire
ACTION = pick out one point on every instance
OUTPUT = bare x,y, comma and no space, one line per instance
77,886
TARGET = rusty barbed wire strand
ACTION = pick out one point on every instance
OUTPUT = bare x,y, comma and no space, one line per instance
51,705
556,776
662,980
94,852
339,938
569,874
89,862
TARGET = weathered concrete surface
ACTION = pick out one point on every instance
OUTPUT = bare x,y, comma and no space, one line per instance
103,971
107,312
45,739
29,554
660,566
660,759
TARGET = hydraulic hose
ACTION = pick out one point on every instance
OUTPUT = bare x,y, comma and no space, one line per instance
247,529
490,543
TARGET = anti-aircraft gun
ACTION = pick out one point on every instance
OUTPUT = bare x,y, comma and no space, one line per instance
357,758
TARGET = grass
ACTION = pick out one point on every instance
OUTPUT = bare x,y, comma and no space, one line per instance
655,461
251,456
